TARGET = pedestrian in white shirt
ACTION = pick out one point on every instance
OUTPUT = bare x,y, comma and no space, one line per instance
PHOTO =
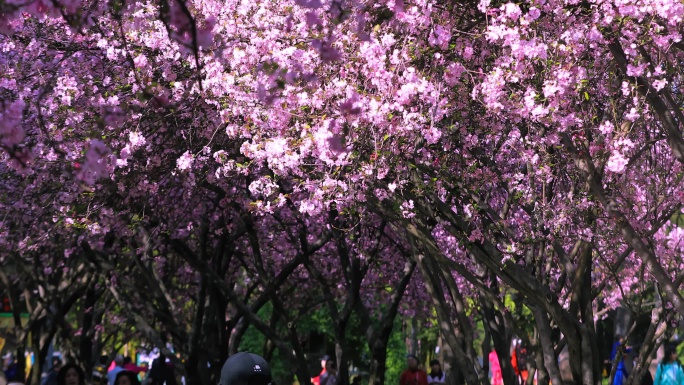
436,376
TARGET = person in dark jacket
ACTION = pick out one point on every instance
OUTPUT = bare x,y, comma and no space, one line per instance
71,374
126,378
51,375
160,373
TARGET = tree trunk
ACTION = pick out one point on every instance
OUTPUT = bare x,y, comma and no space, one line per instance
85,343
657,333
192,360
378,366
341,354
548,357
501,338
378,338
41,344
236,335
541,371
435,289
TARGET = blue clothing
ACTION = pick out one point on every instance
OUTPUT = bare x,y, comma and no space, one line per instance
620,374
12,372
111,376
51,378
669,374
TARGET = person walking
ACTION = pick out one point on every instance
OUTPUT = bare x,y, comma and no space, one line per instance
621,372
519,361
669,370
51,375
3,379
330,375
436,376
413,375
495,368
317,380
131,367
118,367
161,373
126,377
71,374
11,368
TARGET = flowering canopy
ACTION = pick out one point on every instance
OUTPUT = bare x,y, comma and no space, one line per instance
543,136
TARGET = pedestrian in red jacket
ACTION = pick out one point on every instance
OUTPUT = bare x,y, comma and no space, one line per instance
413,375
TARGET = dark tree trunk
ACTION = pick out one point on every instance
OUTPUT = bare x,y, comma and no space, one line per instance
236,335
378,365
192,361
378,338
85,343
432,279
540,368
501,337
341,354
547,357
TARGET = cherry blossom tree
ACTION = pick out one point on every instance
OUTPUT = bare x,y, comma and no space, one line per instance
534,146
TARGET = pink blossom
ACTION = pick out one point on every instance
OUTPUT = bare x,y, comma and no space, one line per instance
136,139
312,19
659,84
309,3
633,114
185,161
453,73
606,127
512,11
11,132
205,34
533,13
407,209
617,162
440,37
326,50
637,70
348,107
97,162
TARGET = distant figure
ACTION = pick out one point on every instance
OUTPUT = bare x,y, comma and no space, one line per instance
100,371
621,372
616,345
330,375
436,376
413,375
520,356
131,367
495,368
317,380
11,368
160,373
118,367
71,374
669,370
126,378
51,377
